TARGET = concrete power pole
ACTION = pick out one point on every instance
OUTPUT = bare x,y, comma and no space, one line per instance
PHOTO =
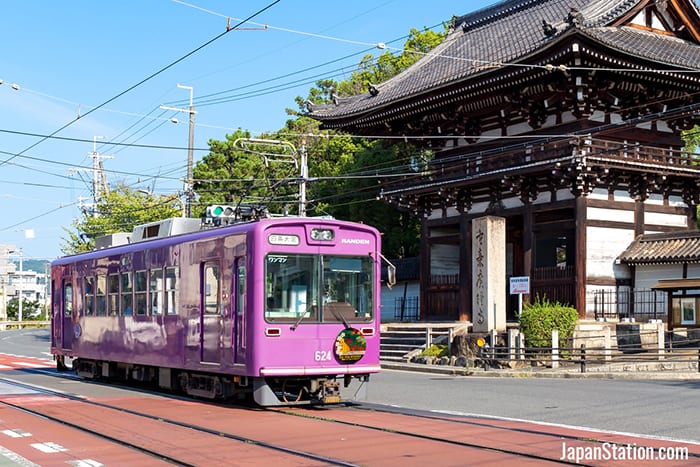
98,177
284,152
304,176
189,192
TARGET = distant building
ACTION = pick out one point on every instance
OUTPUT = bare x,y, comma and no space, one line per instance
31,285
401,302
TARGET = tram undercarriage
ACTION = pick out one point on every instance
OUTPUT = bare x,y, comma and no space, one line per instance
268,391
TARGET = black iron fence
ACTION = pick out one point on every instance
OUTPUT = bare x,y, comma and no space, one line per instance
640,351
640,304
406,309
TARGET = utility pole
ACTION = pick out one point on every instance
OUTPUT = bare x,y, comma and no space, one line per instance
304,175
189,193
98,185
285,153
19,289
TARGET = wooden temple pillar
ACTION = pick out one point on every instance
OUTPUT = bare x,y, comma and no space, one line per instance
580,280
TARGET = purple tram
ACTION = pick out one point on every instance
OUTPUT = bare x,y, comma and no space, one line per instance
282,309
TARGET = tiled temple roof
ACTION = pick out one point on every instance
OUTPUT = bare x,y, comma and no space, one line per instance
507,33
675,247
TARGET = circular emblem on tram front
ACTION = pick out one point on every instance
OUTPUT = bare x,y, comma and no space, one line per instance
77,330
350,345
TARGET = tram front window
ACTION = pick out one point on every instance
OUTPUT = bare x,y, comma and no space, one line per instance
295,285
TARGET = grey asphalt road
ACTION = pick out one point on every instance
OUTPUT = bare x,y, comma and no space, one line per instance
26,342
659,408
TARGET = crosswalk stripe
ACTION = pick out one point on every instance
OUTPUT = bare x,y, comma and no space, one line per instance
32,365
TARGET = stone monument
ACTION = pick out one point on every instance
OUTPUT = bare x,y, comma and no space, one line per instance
489,274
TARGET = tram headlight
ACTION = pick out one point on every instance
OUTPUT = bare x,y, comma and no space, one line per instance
322,235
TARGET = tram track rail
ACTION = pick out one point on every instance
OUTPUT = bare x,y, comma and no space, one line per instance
432,438
448,417
139,446
460,420
511,439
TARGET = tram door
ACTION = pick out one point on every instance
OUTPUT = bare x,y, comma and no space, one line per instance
239,308
211,313
67,328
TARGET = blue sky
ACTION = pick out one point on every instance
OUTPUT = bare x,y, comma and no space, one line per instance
67,58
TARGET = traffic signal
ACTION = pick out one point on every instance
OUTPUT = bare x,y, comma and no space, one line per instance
219,211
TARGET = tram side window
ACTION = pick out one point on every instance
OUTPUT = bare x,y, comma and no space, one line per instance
89,299
67,299
126,297
101,296
113,290
240,292
156,291
211,289
140,288
171,291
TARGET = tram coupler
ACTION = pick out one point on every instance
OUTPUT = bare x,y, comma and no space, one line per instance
330,392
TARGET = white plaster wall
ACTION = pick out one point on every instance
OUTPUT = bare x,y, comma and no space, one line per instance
590,297
648,275
603,246
676,201
657,218
693,270
621,195
603,214
599,193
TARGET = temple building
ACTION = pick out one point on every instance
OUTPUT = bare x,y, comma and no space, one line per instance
561,121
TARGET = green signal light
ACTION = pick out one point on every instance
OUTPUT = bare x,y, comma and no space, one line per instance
218,210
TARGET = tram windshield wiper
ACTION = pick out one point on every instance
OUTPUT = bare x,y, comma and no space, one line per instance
301,317
338,316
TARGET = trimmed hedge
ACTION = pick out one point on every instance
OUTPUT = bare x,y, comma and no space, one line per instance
436,351
539,318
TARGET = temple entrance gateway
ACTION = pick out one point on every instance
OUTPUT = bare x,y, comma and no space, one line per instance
539,128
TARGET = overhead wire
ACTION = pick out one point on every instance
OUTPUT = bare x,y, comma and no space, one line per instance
144,80
403,137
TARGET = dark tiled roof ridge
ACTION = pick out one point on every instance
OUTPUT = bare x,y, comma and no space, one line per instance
597,13
602,12
637,43
493,12
654,237
507,32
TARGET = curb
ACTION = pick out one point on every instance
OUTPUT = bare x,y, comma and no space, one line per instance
544,373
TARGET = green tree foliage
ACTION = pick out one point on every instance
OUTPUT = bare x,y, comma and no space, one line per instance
119,211
691,138
539,318
30,310
241,172
374,70
345,173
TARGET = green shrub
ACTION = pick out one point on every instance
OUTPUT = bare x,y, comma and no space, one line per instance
539,318
436,351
